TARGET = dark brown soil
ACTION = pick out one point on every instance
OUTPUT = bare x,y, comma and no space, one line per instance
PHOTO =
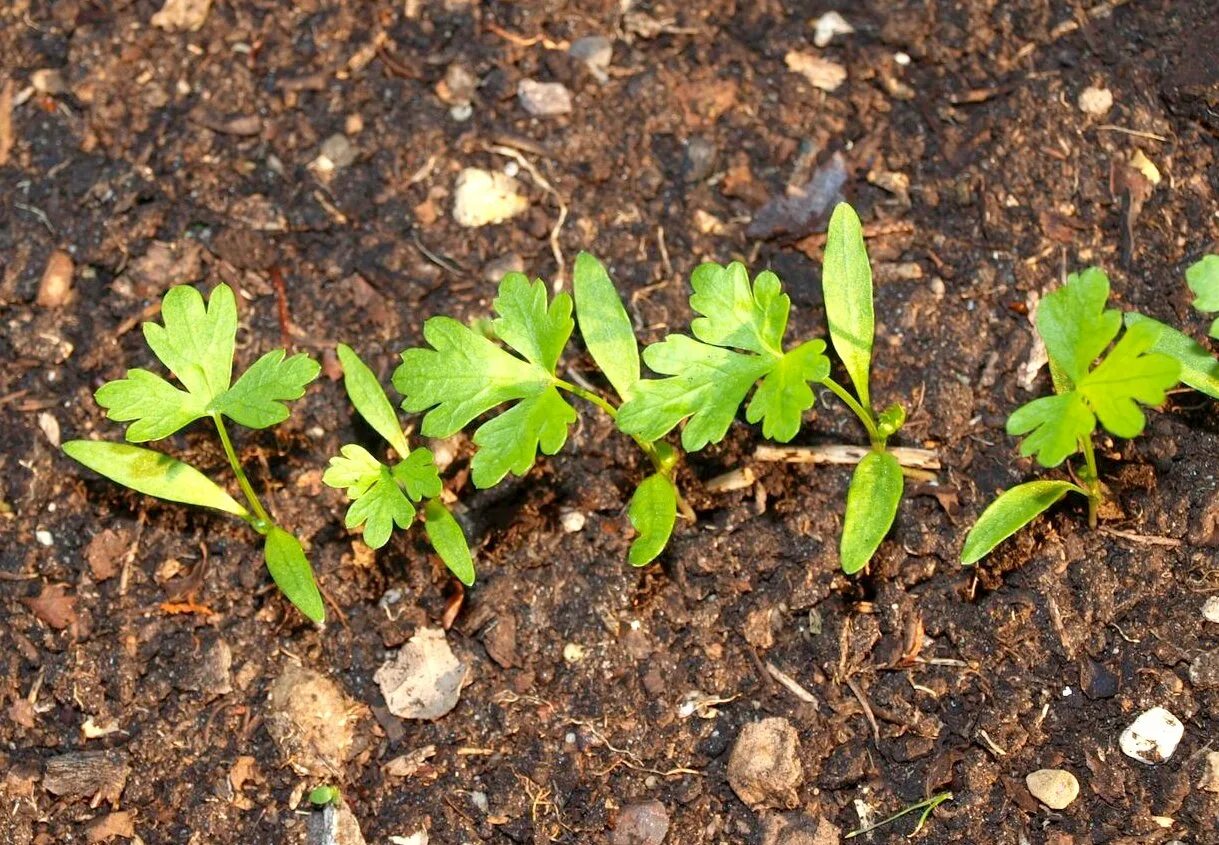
184,158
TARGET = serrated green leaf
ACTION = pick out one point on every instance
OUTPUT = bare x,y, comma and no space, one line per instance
464,375
257,399
155,408
846,281
1011,511
369,399
377,501
872,500
417,473
380,507
707,385
353,469
511,441
1055,425
1129,375
1203,279
291,572
526,324
449,541
604,324
708,381
784,395
153,474
1075,325
196,342
736,315
653,512
1199,369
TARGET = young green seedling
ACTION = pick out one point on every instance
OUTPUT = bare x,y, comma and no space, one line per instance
196,344
738,340
1140,368
383,496
465,375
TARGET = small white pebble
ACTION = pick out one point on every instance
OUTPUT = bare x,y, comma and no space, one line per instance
573,652
1095,101
43,536
1152,737
902,59
479,800
1210,609
1066,692
829,25
1056,788
317,432
572,521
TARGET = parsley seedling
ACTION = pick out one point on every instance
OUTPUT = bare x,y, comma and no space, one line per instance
196,343
465,374
1148,360
738,347
384,496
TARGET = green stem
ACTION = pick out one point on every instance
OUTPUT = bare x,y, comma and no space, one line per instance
1093,493
927,806
242,481
649,449
864,415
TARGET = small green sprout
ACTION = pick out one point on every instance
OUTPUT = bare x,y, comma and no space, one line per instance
324,795
738,341
1138,370
196,344
383,496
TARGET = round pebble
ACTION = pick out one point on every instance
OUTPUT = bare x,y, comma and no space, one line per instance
1152,737
1056,788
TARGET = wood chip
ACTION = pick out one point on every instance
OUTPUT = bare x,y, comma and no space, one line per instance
838,454
101,774
6,121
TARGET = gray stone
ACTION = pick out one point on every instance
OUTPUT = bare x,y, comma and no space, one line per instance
645,823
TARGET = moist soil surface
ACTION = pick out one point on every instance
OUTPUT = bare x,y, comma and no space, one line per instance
156,157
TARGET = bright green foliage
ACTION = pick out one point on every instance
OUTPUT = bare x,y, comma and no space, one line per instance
1010,512
257,399
291,572
739,340
1199,369
153,474
464,375
383,496
872,500
653,512
370,400
846,279
448,540
320,796
605,325
1076,329
1074,323
196,343
1203,279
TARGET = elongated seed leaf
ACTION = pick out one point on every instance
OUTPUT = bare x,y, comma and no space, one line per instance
846,281
291,572
369,399
605,325
449,541
872,500
152,473
653,511
1199,369
1010,512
